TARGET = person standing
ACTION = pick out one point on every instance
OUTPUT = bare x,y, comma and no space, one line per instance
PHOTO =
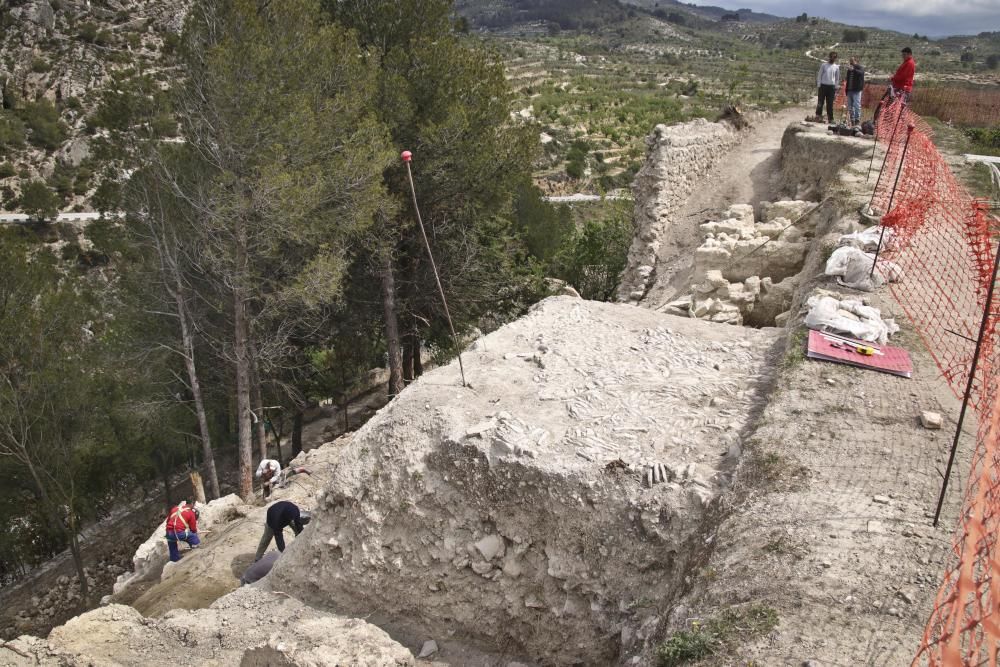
182,526
855,86
901,84
280,515
827,80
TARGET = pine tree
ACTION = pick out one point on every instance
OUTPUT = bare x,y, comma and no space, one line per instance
276,111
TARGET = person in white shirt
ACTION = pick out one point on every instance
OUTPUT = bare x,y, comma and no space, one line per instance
267,473
827,80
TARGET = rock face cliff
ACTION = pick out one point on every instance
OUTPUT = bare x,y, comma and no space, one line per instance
68,54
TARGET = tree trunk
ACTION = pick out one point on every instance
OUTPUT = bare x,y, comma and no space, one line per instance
297,434
345,399
278,434
258,407
77,553
165,478
197,487
418,365
407,359
241,351
69,532
199,400
391,328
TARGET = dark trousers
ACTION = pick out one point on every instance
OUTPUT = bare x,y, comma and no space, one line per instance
827,93
265,541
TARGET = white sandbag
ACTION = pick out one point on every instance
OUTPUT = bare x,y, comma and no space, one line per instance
867,239
849,317
853,269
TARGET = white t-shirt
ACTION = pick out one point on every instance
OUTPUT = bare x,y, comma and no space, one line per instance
266,464
828,75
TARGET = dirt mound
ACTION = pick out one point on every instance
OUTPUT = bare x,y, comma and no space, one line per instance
519,512
248,627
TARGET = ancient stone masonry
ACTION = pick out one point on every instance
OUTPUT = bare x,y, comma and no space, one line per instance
523,512
678,158
746,272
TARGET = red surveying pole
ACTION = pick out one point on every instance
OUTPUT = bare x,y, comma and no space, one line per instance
407,158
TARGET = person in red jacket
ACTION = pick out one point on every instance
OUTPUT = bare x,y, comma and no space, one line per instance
182,526
902,81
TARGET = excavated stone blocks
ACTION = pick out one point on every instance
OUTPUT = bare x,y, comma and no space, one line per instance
726,279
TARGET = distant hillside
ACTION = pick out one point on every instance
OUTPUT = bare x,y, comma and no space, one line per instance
707,11
566,14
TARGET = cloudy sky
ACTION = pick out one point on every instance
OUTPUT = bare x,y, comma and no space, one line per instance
936,18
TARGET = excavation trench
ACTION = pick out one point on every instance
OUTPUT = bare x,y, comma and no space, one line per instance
740,262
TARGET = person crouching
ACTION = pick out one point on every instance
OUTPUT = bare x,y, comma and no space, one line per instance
182,526
280,515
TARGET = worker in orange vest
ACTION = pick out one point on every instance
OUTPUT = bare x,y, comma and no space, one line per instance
182,526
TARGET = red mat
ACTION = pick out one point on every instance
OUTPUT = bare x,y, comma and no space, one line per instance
841,350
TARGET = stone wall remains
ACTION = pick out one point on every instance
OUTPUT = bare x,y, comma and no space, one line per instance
678,158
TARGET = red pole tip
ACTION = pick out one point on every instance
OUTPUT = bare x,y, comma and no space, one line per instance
407,156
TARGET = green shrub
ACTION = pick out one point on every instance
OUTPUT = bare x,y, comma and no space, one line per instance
592,258
42,119
87,32
81,184
40,65
12,132
6,170
62,182
576,168
706,639
38,201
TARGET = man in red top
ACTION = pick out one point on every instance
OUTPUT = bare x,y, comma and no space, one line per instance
182,526
902,81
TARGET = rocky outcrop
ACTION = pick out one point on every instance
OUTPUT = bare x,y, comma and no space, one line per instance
248,627
677,158
555,505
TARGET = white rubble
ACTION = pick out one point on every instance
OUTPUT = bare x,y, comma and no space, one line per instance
513,511
745,266
248,627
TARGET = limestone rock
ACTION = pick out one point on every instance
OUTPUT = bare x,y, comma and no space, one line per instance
238,629
429,648
931,420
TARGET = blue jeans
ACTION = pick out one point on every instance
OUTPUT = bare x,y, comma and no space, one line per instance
183,536
854,106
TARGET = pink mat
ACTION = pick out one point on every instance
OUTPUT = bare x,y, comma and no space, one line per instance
840,350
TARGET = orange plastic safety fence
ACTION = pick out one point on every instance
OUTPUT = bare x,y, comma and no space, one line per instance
940,249
974,107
